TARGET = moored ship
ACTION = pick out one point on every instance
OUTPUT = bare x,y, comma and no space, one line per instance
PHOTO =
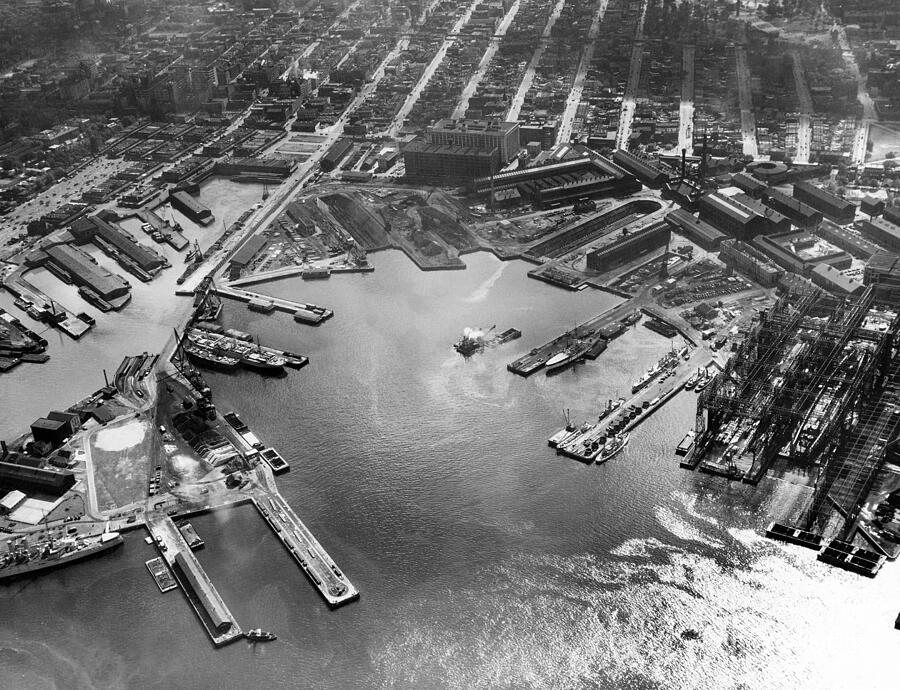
613,447
208,358
24,561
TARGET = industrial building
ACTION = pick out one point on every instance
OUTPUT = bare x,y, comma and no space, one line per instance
748,184
802,215
731,217
697,231
84,271
190,207
244,255
645,170
27,478
775,222
883,232
201,587
743,258
883,274
892,213
629,247
830,278
335,154
50,431
838,209
564,182
847,240
800,251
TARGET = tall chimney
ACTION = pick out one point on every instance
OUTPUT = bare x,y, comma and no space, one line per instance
683,163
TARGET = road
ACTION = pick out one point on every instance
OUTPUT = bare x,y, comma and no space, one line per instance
804,131
493,45
397,123
686,108
343,16
528,78
626,116
745,97
870,115
574,100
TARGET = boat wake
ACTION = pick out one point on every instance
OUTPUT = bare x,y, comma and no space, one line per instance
481,292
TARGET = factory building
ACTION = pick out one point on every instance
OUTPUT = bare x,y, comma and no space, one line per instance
201,585
883,273
335,154
84,271
775,222
748,184
425,160
883,232
838,209
696,230
645,170
752,263
40,479
731,217
802,215
50,431
831,279
630,247
801,252
847,240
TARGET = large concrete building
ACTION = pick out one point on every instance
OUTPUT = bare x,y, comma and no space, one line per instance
628,248
838,209
461,149
744,258
801,252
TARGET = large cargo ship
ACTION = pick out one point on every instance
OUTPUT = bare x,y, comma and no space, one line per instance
24,561
246,354
206,357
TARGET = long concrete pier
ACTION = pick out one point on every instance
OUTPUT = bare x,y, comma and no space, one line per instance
306,313
198,588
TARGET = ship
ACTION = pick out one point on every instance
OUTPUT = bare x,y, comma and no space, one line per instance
259,635
611,406
666,363
686,444
87,318
262,362
568,356
53,554
692,381
315,273
208,358
468,346
613,447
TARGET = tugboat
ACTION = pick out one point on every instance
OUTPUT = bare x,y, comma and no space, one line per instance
467,346
259,635
613,447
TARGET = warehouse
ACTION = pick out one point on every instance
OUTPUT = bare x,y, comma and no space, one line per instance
696,230
84,271
802,215
882,232
643,169
201,586
731,217
190,207
94,228
838,209
629,248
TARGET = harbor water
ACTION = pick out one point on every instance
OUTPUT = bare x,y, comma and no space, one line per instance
484,560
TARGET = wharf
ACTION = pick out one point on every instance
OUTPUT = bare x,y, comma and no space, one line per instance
304,313
65,320
629,415
318,566
590,332
200,591
170,235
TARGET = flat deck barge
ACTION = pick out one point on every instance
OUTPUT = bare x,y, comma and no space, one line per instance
303,312
161,574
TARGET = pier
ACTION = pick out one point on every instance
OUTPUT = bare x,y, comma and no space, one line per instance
200,591
45,309
315,562
170,235
304,313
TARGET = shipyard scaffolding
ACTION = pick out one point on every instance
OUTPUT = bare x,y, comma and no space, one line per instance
814,384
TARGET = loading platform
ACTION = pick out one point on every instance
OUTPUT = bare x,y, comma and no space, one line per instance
161,574
303,312
196,585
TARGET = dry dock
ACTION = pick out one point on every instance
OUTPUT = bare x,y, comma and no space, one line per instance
200,591
304,313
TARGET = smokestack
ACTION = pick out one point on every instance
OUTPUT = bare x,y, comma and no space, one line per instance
105,378
3,450
683,163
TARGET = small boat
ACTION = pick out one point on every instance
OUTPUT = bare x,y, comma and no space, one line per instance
613,447
259,635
